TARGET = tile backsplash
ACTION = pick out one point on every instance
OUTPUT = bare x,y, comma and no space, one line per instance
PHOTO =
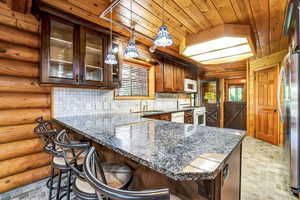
78,101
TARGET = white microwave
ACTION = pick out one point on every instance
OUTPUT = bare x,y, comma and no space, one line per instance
190,86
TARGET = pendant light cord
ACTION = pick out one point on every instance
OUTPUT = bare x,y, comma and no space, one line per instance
163,18
111,29
131,23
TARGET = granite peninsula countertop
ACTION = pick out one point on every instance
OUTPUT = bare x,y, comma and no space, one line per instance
180,151
159,112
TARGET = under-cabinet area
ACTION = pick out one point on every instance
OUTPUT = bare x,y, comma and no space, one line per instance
149,100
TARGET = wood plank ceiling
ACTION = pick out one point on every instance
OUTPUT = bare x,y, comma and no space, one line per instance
183,17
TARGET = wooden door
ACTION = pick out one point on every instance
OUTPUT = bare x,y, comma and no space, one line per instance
210,99
168,77
235,115
266,116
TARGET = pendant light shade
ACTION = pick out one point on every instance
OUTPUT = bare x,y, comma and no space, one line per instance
110,58
163,37
131,50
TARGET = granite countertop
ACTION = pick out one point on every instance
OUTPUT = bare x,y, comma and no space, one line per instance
181,151
159,112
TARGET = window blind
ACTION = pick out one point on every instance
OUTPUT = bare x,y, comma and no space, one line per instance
134,81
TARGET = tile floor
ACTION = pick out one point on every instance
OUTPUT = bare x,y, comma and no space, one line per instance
264,176
264,172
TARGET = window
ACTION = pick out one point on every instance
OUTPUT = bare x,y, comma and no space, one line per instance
236,92
210,92
137,82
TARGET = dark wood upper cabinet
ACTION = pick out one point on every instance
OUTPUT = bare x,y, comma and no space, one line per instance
169,77
72,54
178,79
59,58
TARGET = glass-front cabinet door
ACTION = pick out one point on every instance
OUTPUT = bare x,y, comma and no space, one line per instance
73,54
58,57
93,49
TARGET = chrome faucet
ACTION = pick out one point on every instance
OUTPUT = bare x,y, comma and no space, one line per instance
145,107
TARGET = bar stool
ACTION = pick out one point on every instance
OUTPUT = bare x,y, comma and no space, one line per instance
47,133
104,191
117,175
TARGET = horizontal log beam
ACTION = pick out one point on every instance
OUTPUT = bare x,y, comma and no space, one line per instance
16,133
17,36
18,52
18,84
21,164
20,148
22,116
24,178
23,100
21,21
18,68
22,6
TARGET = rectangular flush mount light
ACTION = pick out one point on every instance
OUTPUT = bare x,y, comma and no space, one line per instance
225,43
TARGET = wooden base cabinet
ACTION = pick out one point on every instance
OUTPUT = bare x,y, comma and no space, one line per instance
189,117
72,54
166,117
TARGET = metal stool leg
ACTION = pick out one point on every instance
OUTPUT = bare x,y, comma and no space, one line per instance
58,186
69,184
51,182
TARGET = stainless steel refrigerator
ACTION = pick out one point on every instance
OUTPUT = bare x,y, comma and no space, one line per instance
289,110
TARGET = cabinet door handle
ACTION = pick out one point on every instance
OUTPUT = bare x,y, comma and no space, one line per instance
77,78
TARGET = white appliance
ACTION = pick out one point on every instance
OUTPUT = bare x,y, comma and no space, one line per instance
199,116
177,117
190,86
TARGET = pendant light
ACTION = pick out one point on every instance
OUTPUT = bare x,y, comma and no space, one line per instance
131,50
110,57
163,37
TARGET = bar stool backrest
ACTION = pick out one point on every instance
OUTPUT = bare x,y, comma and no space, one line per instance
47,133
73,151
91,167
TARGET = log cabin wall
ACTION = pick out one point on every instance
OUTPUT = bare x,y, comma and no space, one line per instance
22,160
262,63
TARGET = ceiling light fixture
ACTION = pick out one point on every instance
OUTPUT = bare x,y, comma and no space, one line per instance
131,50
221,44
110,57
163,37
